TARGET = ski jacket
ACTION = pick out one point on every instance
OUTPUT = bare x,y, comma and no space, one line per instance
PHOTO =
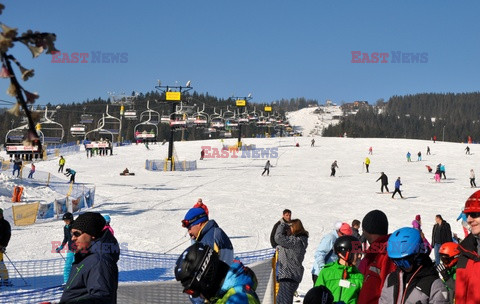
416,225
213,236
61,162
384,179
420,287
398,183
472,174
5,232
267,165
334,275
334,165
468,268
238,287
367,161
442,168
462,216
67,237
324,253
441,233
291,252
375,267
94,274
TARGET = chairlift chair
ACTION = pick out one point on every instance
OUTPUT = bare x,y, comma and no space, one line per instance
16,143
53,132
109,124
150,115
86,119
216,120
178,119
146,131
201,118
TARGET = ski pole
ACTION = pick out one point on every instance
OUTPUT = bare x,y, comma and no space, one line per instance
62,256
15,268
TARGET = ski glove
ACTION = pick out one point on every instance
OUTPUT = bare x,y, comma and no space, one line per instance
59,248
442,272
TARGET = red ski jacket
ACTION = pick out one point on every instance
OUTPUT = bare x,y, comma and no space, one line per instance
468,268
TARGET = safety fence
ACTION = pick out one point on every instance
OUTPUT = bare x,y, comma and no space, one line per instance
69,197
165,165
144,277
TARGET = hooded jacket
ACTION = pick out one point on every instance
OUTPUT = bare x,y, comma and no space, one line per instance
94,274
422,286
468,268
324,253
291,252
375,266
238,287
213,236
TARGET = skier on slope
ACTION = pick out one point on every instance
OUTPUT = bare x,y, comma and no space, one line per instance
398,183
384,180
266,168
334,165
367,163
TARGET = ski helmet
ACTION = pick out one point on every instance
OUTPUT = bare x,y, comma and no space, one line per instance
107,218
348,246
67,216
318,295
200,271
405,242
473,203
449,254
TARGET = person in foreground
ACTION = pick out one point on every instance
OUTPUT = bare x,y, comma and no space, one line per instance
94,274
415,280
202,274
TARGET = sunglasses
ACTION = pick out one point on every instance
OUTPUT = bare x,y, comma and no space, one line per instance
77,233
188,223
473,214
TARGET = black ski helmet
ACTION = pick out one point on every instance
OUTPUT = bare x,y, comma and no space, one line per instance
348,246
67,216
200,271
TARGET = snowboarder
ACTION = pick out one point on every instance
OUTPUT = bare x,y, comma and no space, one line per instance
32,170
61,163
472,179
409,155
419,154
428,150
384,180
398,183
467,150
267,168
313,142
367,163
71,173
202,154
334,165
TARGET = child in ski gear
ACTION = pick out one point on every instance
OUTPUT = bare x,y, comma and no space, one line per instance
342,277
468,266
5,234
383,177
71,173
472,179
446,269
334,165
67,240
324,253
397,188
94,274
107,224
286,218
61,163
415,280
438,174
203,274
291,252
267,168
375,265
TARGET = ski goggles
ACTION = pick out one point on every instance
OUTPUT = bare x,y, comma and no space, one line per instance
188,223
403,263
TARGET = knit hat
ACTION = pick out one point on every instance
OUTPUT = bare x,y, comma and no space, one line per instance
194,216
346,229
91,223
375,222
417,217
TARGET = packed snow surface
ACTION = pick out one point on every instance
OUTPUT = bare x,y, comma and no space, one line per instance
146,209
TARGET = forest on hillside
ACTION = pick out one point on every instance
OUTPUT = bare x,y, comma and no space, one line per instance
450,117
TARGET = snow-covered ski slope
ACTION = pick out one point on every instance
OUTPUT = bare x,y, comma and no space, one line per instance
312,124
147,208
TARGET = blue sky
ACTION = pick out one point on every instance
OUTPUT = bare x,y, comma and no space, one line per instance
272,49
